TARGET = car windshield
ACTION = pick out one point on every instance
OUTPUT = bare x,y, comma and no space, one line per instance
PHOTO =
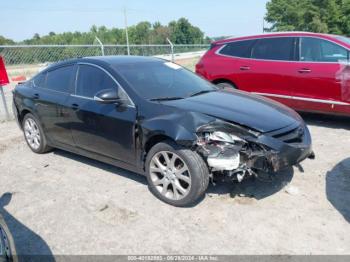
163,80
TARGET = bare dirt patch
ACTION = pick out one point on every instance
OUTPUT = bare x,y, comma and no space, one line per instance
61,203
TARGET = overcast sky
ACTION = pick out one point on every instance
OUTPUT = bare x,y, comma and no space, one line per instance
21,19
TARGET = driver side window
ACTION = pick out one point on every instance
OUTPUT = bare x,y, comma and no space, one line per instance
92,80
319,50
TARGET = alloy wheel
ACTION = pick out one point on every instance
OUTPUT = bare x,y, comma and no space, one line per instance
170,175
32,133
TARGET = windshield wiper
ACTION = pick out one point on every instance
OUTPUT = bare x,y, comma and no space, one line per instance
202,92
167,98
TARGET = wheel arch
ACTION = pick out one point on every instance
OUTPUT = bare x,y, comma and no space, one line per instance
155,139
224,80
23,113
151,142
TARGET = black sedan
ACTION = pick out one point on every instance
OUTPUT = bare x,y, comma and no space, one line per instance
156,118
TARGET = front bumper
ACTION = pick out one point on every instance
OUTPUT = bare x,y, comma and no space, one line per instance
279,154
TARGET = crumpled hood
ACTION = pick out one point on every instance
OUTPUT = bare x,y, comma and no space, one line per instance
259,113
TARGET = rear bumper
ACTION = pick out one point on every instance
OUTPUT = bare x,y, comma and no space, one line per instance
16,114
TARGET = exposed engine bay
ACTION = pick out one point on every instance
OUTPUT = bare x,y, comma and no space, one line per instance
239,152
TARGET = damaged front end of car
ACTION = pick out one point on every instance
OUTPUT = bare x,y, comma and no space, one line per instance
239,152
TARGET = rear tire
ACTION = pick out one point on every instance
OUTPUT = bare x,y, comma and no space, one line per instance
34,134
176,175
226,86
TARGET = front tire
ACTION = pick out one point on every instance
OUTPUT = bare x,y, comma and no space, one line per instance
34,134
226,86
176,175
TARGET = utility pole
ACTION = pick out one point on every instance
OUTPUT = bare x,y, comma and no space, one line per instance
263,25
126,31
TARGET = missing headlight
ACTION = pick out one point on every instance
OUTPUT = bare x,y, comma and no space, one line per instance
233,151
219,136
221,149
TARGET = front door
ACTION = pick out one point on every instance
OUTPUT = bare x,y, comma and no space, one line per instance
105,129
322,75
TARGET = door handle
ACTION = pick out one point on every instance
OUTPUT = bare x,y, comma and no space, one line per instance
36,96
75,107
244,68
304,71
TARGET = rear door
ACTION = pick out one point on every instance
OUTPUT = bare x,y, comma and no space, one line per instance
322,75
270,70
234,63
105,129
52,90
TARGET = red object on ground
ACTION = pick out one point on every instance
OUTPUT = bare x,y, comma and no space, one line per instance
18,78
306,71
4,80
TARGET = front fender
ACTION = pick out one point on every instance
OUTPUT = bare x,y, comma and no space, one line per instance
180,127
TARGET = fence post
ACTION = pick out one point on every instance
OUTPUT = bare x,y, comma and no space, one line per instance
4,103
172,50
102,47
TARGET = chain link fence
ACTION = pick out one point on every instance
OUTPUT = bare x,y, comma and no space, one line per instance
27,60
36,54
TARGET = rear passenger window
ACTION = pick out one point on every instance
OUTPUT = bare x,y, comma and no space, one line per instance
60,79
92,80
39,80
281,48
238,49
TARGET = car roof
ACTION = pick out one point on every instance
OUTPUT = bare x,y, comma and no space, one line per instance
284,34
122,59
107,60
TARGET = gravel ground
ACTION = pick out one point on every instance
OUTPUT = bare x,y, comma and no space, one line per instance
61,203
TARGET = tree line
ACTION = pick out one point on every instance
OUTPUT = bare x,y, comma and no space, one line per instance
320,16
179,32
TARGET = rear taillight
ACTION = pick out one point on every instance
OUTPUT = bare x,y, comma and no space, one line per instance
199,66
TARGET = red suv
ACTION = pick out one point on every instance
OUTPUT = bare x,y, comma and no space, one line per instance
306,71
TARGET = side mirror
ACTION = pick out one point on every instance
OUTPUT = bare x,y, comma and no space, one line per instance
107,96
